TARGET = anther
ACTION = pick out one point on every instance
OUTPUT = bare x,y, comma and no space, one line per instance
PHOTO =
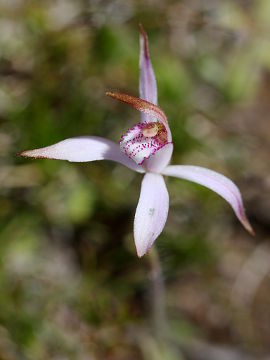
150,130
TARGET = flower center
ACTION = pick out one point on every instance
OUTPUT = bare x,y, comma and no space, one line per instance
150,130
143,140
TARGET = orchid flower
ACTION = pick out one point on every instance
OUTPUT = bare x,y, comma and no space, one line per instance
146,148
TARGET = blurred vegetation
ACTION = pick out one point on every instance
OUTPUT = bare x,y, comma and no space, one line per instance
71,285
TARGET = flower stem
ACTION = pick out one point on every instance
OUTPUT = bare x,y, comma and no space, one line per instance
157,292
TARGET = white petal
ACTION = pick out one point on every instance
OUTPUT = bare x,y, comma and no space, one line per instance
151,213
216,182
83,149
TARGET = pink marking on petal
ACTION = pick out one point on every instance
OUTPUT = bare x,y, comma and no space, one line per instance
138,147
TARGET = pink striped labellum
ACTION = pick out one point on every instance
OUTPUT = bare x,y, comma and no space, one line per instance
143,140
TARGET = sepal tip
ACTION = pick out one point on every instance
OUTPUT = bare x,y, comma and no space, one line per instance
245,222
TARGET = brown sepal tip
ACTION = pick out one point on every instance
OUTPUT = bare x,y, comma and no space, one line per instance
25,155
145,38
248,226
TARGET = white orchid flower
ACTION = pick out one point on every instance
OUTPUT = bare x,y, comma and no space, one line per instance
146,148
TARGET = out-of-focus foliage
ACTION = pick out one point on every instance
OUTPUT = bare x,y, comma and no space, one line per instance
71,286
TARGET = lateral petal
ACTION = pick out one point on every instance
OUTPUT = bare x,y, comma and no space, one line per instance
151,213
216,182
83,149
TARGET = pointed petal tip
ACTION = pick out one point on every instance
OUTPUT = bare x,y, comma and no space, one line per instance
148,84
20,154
217,183
145,41
141,29
30,154
245,222
119,96
140,254
114,94
109,93
143,251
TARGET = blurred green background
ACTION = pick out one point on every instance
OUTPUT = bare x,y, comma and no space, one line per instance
71,286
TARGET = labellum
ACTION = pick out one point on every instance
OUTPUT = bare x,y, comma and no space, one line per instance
143,140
